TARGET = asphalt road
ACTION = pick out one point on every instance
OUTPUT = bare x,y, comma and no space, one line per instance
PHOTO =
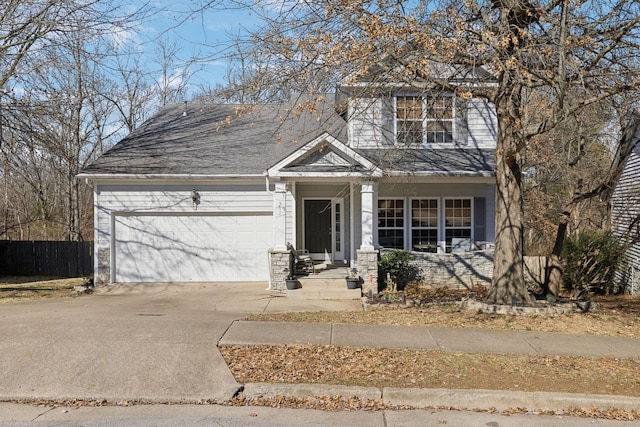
212,415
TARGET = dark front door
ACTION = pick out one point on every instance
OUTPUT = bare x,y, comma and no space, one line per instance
317,226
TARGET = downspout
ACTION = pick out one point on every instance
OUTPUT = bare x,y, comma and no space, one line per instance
266,178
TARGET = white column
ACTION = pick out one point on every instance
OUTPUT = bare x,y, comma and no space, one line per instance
369,211
280,216
352,225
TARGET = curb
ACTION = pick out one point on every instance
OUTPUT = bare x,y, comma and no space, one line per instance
301,391
458,398
503,400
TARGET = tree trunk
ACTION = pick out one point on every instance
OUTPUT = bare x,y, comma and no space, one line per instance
507,284
553,279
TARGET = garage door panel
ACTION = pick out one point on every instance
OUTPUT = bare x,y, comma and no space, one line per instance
163,248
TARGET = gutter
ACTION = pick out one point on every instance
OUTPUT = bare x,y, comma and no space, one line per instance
161,177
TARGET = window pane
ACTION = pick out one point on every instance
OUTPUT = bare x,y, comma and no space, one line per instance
440,108
422,119
424,223
440,118
424,240
424,213
409,108
457,220
409,120
391,238
391,223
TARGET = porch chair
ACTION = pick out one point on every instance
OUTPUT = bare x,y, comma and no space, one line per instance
302,262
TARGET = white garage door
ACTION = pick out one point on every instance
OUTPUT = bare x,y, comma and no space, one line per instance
199,248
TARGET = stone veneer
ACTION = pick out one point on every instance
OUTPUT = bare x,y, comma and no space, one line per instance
280,270
104,267
367,267
457,270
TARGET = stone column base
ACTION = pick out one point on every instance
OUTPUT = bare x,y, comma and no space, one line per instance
367,266
280,270
103,275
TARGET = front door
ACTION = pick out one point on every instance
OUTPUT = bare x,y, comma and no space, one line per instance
317,228
323,229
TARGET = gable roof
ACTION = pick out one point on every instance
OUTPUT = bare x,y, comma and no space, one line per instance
235,141
218,140
325,156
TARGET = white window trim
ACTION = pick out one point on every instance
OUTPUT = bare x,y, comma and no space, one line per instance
437,228
404,219
424,143
444,228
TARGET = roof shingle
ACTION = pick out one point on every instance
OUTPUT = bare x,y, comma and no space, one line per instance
217,139
233,140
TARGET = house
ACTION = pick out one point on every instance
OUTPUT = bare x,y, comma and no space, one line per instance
625,212
214,192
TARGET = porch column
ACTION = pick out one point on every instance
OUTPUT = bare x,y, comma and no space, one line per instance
367,264
280,216
369,211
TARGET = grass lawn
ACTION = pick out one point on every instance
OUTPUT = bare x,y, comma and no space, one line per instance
23,288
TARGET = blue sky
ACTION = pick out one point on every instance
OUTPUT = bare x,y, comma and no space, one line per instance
205,34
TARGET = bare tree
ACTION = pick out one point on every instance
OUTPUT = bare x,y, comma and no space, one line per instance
55,119
575,53
173,72
53,125
131,92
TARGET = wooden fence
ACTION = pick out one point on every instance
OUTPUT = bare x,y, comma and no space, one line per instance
46,258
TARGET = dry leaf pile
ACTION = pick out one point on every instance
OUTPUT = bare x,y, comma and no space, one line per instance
615,316
431,369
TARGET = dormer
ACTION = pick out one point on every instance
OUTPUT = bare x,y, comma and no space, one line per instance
384,114
406,119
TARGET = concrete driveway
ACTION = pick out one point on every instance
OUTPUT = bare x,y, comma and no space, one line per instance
137,342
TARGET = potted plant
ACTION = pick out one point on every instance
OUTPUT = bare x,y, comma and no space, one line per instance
353,280
292,282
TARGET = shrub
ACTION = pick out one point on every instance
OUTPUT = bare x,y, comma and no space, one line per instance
397,264
590,262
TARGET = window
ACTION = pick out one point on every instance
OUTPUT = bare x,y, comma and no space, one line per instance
424,225
409,120
457,223
424,120
391,223
439,117
427,222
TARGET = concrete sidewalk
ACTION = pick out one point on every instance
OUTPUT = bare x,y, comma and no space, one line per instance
430,338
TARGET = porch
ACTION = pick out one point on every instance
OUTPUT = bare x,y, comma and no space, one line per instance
328,282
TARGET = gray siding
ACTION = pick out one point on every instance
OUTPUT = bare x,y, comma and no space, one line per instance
371,123
482,124
626,208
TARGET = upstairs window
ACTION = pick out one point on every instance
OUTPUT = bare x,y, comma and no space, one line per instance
424,119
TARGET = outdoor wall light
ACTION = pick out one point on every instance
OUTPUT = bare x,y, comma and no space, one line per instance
195,198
